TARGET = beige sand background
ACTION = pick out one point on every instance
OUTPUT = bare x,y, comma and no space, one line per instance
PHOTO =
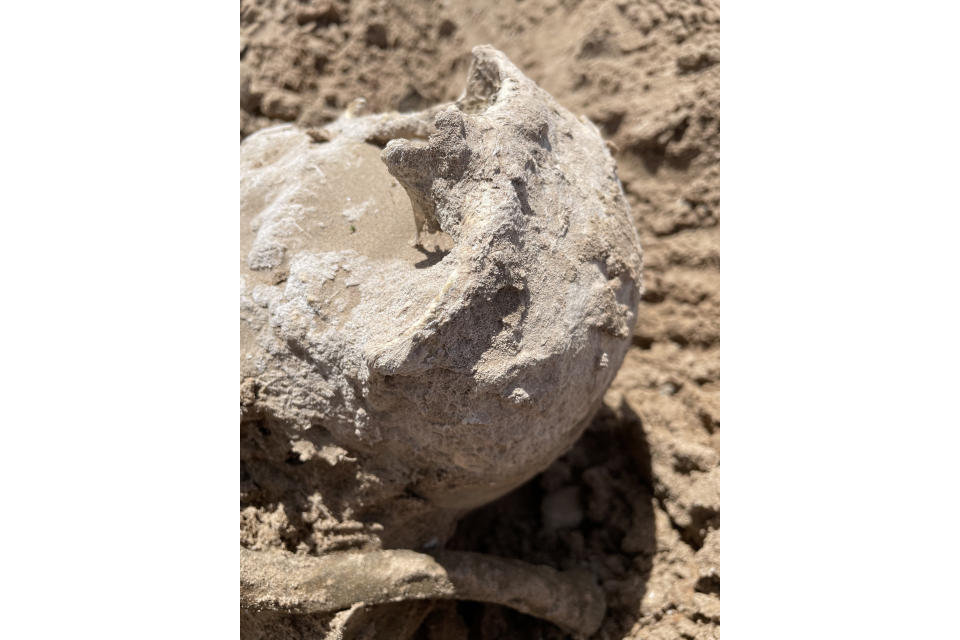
637,499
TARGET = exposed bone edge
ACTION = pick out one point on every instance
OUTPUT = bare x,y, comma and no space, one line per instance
417,165
296,584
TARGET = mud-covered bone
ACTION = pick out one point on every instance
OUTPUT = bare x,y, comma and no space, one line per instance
387,389
425,169
335,582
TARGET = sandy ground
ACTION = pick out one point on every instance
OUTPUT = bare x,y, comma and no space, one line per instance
637,499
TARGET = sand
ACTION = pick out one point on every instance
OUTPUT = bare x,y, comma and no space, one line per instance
637,499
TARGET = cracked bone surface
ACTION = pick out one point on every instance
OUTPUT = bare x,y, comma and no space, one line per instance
393,386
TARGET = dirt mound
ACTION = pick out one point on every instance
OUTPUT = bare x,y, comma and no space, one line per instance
637,499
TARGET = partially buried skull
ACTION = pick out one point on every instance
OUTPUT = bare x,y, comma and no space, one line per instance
432,306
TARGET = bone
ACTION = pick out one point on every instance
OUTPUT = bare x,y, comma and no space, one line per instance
277,581
427,325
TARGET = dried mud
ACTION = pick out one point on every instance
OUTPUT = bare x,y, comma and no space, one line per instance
637,498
